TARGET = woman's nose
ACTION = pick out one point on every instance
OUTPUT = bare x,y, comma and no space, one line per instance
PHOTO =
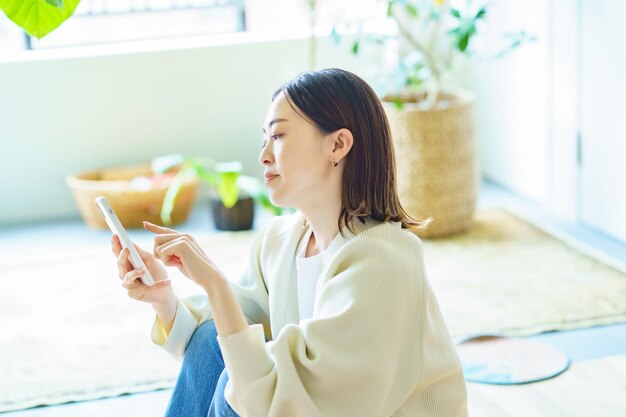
266,157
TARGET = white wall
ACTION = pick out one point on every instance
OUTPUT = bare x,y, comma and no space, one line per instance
602,100
512,99
99,107
563,198
534,105
528,105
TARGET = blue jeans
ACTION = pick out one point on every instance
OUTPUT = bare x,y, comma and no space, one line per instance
199,390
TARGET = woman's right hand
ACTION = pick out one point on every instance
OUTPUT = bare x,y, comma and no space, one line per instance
160,294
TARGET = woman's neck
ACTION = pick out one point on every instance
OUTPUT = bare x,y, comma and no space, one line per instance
323,222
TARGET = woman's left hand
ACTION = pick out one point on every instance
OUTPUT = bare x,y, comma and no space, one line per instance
181,250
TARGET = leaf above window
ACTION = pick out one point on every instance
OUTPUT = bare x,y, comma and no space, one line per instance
38,17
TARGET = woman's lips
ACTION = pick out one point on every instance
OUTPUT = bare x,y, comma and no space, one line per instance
268,178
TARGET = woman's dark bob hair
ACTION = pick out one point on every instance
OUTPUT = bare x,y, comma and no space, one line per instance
333,99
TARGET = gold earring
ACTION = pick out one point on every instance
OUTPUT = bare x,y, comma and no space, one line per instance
333,163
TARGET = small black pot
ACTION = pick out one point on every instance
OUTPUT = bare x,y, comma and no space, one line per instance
238,217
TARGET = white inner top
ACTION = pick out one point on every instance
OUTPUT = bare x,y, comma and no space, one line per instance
311,268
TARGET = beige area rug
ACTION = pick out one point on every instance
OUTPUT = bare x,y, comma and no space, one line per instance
507,277
70,333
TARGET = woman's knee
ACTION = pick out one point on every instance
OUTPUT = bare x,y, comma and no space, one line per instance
204,341
206,330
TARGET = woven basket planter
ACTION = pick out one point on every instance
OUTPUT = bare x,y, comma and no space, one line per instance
132,203
435,158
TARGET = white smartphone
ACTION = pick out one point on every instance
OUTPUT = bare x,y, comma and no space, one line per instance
116,227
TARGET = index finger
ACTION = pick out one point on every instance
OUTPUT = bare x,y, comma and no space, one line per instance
157,229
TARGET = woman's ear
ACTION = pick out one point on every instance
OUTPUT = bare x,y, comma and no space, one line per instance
342,140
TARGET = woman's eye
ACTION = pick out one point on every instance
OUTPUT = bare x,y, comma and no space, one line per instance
273,137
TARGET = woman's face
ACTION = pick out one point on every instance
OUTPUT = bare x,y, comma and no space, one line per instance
296,157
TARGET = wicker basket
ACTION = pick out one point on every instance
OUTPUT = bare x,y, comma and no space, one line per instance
132,202
435,160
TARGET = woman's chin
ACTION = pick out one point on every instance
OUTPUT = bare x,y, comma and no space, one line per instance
276,200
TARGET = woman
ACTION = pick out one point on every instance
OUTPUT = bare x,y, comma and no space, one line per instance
334,316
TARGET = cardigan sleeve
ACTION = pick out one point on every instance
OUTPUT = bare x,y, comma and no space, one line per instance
250,290
357,356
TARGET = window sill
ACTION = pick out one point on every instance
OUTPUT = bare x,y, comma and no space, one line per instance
157,45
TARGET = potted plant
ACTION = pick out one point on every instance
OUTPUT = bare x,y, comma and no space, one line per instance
431,121
232,203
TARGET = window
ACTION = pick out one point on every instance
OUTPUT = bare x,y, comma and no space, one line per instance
114,21
106,21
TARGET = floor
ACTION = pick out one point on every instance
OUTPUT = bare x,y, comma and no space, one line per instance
583,345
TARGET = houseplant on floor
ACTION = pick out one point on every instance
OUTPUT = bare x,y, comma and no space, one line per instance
432,122
232,203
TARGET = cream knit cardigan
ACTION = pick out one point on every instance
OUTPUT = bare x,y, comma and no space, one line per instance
376,346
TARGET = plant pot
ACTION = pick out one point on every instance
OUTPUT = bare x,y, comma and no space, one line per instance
436,163
132,202
238,217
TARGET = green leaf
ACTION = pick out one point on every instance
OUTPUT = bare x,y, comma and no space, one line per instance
206,175
185,174
463,42
481,13
398,102
38,17
413,81
471,30
204,168
411,10
455,12
227,188
355,48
